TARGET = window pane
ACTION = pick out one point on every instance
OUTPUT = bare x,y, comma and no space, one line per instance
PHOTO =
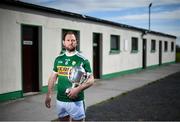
153,45
172,46
114,42
134,44
165,46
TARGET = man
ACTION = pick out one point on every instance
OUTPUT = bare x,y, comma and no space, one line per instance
70,106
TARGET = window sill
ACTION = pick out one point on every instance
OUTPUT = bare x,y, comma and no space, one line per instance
114,52
153,51
134,51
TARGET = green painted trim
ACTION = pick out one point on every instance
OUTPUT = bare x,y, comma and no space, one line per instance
167,63
152,66
153,51
157,65
116,74
134,51
11,95
114,52
44,89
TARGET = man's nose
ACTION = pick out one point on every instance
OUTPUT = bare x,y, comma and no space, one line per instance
71,42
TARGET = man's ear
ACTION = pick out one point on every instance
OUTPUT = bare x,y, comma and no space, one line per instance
63,43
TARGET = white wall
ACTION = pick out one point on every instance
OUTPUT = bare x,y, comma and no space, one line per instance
125,60
10,53
52,25
153,57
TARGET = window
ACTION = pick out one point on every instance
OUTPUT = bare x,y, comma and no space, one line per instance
76,32
134,44
115,44
153,45
172,46
165,46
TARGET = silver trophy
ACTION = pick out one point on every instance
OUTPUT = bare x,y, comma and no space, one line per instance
76,76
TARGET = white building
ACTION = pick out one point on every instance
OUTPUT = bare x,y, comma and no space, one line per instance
31,38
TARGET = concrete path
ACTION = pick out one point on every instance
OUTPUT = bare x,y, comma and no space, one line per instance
32,108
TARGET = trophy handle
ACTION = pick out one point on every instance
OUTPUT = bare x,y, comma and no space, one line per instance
83,78
69,71
74,85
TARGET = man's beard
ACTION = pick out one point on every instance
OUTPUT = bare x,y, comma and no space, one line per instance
70,49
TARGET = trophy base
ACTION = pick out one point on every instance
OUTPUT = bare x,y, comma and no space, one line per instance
67,91
73,86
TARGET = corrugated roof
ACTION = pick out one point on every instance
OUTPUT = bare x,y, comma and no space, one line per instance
79,16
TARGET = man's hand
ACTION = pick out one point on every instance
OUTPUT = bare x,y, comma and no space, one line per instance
51,82
48,101
73,93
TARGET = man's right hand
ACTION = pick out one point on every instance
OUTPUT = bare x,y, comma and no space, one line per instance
48,101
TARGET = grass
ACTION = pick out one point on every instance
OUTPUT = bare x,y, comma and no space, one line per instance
178,57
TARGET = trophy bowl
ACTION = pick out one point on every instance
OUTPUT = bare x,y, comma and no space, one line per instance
76,76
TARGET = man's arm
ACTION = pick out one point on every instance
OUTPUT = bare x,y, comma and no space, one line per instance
86,84
51,82
74,91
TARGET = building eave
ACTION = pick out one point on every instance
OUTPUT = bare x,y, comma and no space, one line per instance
79,16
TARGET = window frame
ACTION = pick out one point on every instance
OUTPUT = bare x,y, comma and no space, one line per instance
134,45
117,43
172,46
165,46
153,45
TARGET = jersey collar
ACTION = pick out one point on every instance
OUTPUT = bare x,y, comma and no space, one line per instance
71,54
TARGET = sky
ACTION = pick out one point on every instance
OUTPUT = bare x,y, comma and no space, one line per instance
165,14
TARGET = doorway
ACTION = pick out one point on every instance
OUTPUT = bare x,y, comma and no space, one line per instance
97,53
160,52
30,58
144,54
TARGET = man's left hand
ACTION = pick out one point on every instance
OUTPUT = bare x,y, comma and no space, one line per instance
73,93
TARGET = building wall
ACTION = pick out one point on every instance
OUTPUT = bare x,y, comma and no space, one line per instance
52,25
153,57
10,53
125,60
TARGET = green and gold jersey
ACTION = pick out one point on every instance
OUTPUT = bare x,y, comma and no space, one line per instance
62,65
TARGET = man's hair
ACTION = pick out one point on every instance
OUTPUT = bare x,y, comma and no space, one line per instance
69,32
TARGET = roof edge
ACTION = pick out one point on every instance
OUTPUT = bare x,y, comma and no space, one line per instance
79,16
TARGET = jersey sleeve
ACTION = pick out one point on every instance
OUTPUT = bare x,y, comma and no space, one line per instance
87,66
55,66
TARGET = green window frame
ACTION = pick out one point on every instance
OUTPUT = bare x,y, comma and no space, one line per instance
134,44
172,46
153,45
165,46
114,44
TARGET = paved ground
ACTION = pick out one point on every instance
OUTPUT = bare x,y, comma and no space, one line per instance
32,108
156,101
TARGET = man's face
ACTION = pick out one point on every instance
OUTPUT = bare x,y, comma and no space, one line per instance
70,42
